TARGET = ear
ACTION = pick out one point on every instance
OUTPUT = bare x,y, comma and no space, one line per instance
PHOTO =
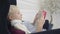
9,18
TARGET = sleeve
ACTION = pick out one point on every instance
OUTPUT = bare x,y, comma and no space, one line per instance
30,26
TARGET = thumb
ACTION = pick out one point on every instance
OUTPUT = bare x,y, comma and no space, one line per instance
44,14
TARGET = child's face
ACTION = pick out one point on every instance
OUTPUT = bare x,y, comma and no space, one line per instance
14,13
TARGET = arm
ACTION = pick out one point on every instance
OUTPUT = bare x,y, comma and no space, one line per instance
40,20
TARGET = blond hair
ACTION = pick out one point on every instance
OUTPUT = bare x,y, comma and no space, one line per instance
13,9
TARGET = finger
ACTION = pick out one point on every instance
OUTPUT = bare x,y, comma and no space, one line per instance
44,13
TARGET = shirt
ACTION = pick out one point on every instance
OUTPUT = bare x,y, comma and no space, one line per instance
24,26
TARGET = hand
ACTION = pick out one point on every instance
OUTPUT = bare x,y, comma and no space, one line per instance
40,21
14,13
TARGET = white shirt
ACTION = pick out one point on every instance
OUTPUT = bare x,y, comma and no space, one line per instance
29,8
18,24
